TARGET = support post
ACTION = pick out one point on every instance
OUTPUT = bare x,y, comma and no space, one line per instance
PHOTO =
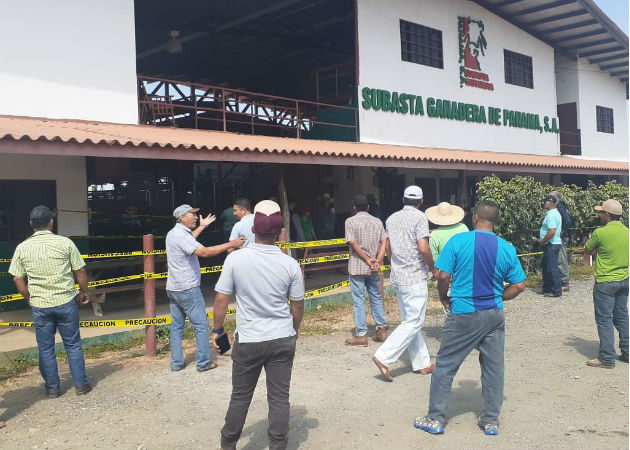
149,294
284,238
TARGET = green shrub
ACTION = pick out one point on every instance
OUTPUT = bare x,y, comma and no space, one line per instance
519,200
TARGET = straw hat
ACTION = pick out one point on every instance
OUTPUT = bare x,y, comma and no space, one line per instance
445,214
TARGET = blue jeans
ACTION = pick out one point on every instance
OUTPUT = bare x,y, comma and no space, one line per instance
358,285
550,271
610,299
189,303
485,331
64,318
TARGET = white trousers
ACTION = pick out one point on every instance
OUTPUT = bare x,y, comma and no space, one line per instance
412,301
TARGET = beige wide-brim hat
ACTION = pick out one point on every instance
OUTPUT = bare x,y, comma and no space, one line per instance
445,214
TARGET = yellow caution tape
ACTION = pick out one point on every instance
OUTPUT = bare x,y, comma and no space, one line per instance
325,289
110,255
117,323
305,244
319,259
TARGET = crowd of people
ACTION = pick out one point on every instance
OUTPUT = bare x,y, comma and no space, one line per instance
476,271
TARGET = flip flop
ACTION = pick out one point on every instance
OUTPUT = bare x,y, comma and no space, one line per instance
384,370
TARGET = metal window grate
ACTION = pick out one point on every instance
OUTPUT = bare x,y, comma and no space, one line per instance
605,121
421,45
518,69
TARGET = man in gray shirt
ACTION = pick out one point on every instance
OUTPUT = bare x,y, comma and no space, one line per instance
263,278
408,233
183,285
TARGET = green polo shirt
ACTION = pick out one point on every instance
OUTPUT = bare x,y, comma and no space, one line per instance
47,260
440,237
611,243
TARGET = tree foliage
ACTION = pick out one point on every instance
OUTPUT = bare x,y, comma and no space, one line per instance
521,213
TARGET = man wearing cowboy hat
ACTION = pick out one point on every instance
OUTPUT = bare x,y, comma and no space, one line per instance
449,218
610,294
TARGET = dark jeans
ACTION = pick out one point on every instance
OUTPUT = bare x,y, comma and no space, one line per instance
550,271
485,331
248,359
64,318
610,299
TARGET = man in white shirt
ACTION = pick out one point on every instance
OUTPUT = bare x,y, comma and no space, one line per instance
243,228
263,278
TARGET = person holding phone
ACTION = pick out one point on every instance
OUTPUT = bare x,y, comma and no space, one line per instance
263,278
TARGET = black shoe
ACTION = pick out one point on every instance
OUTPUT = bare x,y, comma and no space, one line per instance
82,390
52,394
623,358
212,365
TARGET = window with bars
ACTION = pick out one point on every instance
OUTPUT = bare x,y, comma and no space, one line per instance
605,122
421,45
518,69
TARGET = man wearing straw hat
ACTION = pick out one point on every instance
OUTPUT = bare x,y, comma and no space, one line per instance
449,218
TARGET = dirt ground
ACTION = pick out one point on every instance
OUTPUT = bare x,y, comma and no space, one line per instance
339,399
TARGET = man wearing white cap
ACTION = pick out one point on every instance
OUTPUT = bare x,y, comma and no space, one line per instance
263,278
183,285
408,240
448,218
610,294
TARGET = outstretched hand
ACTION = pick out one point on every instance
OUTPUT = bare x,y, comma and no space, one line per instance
205,221
238,242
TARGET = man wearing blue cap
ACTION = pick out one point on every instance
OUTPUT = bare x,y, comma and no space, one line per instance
183,285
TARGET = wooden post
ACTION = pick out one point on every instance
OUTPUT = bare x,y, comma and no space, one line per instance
283,238
284,205
149,295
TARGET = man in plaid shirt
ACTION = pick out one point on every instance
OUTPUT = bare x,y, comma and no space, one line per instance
44,268
408,233
366,238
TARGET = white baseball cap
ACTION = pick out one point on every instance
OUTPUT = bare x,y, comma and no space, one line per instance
413,192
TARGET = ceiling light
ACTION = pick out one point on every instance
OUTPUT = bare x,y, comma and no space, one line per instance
173,45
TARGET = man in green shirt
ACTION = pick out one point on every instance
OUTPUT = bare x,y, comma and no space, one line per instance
449,218
229,219
610,294
44,268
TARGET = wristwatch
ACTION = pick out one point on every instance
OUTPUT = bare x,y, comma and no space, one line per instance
218,331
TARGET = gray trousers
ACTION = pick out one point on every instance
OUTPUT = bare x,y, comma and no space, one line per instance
485,331
563,262
248,359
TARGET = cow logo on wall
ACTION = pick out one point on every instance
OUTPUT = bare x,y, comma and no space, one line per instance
472,45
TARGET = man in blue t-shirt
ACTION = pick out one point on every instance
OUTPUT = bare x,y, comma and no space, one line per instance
551,244
475,265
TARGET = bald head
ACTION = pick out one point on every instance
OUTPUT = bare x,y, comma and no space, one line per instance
487,211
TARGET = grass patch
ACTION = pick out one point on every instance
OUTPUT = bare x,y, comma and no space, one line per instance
577,272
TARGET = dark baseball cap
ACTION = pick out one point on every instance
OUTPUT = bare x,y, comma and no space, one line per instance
267,217
41,215
360,200
550,198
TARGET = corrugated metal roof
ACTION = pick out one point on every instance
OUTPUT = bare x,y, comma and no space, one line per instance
133,137
573,27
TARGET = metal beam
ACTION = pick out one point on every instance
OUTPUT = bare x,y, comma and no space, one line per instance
611,66
609,58
573,37
592,44
616,74
572,26
548,19
506,3
256,14
601,51
543,7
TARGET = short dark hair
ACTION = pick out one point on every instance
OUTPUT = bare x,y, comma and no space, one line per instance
614,216
361,207
487,210
40,223
243,203
412,201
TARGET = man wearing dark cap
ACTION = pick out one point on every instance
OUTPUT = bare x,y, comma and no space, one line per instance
263,279
366,238
183,285
45,267
610,294
551,244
